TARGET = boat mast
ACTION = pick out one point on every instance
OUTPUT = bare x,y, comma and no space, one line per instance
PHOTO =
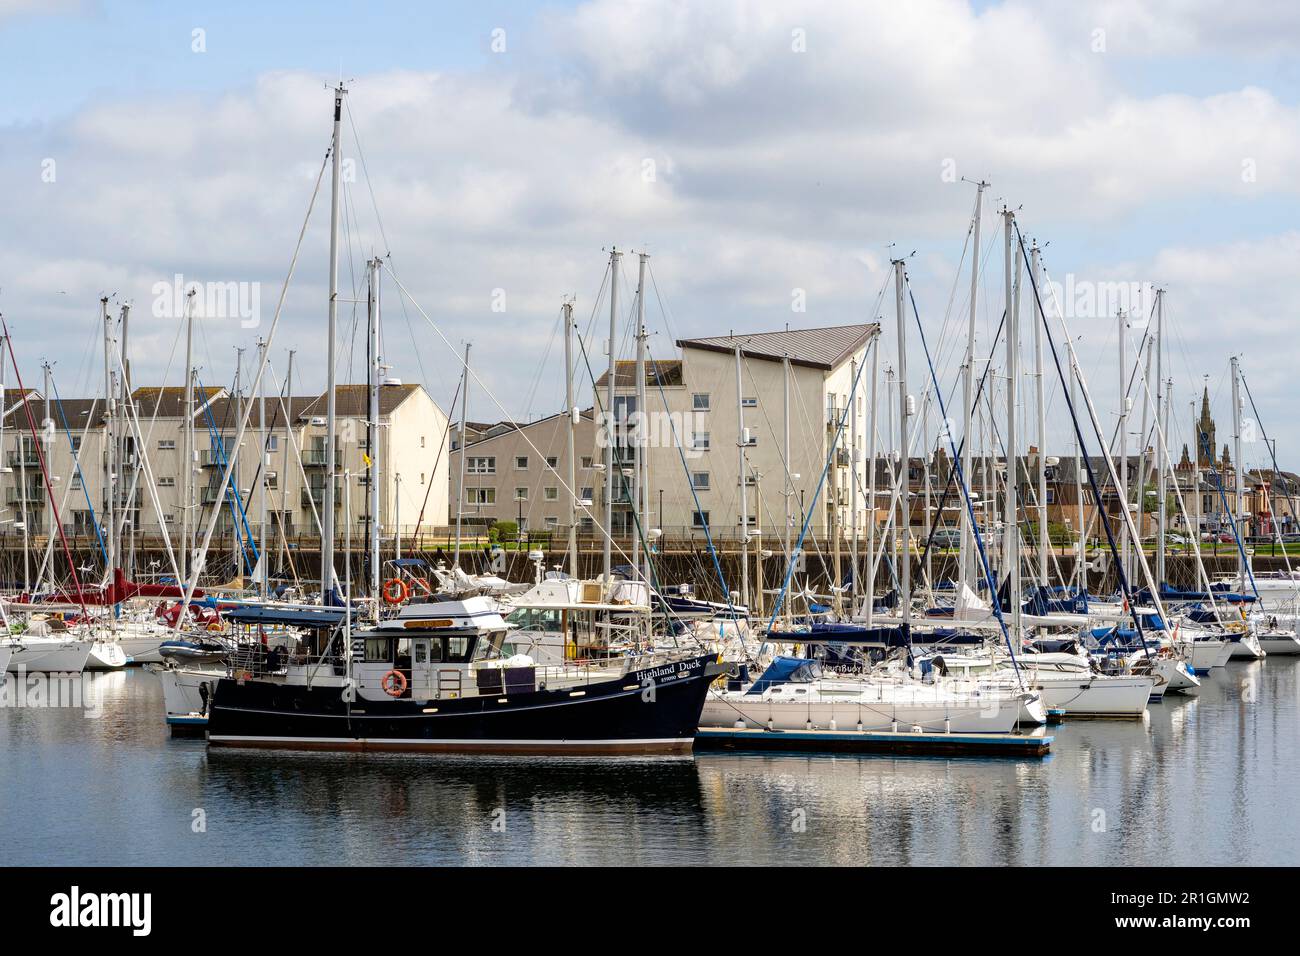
855,457
1011,556
788,485
288,442
1079,564
744,496
1044,539
263,460
966,552
1161,397
905,561
1122,438
47,439
570,437
331,409
187,478
372,426
607,555
642,439
1240,496
109,510
460,487
870,599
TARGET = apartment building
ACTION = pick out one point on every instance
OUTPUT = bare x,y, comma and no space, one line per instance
412,456
695,411
518,472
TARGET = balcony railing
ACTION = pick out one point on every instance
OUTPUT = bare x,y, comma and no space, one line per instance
27,458
317,458
316,495
32,497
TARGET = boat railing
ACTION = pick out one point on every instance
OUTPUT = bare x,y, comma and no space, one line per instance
259,661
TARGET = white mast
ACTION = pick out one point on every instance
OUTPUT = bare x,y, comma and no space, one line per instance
607,565
288,442
263,462
570,437
372,425
642,489
1122,437
740,473
788,485
966,553
460,486
1238,485
1044,539
1011,556
1161,398
327,515
1079,563
187,476
47,439
109,510
871,481
855,457
905,521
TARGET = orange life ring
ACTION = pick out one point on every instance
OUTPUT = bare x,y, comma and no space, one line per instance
214,627
423,583
394,683
395,591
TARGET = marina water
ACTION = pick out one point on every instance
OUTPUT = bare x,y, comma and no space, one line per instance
1208,780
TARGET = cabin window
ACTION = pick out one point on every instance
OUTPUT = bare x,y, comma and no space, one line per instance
377,650
458,649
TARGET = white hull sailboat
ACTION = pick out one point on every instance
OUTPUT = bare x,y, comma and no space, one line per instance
53,653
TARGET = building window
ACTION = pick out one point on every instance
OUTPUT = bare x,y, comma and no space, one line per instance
586,461
167,444
521,494
421,441
700,441
586,494
749,403
478,466
482,496
76,444
76,482
166,482
521,463
552,522
700,480
272,442
700,401
552,494
272,479
552,462
699,519
1051,496
421,477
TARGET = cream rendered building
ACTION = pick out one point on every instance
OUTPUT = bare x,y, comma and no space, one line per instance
693,412
413,459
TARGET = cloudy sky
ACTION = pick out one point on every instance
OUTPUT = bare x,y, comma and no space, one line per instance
765,154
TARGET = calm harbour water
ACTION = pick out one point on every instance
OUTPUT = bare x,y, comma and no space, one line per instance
1210,780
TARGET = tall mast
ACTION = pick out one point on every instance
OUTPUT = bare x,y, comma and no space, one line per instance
47,439
460,485
855,456
740,474
331,409
642,442
1238,486
1161,420
1079,563
233,455
1011,556
263,461
966,554
1122,437
109,509
607,565
1044,539
372,425
288,441
787,486
871,480
187,469
570,438
905,522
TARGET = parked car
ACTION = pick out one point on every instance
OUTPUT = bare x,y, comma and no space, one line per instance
947,537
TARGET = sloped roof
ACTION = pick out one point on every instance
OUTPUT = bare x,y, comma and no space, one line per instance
665,372
824,348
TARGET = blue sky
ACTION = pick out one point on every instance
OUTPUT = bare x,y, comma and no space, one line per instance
773,171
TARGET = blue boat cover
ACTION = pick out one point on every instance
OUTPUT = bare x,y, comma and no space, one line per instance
783,670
